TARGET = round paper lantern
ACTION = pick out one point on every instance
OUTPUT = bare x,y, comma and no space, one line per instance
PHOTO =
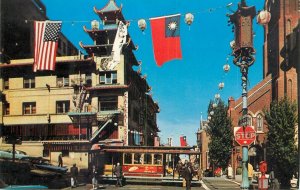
217,96
95,25
189,18
221,85
142,24
226,68
263,17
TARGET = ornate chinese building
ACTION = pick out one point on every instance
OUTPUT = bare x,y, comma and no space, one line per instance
82,102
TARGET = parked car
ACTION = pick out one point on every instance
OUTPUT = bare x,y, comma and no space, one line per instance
8,154
44,164
3,185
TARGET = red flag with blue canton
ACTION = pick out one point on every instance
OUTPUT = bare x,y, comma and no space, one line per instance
166,38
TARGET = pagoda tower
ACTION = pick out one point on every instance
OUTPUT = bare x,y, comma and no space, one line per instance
126,112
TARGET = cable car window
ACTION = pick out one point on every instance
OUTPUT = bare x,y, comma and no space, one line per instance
127,158
147,158
158,159
138,158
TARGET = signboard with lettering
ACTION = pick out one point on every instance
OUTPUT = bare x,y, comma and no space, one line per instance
244,136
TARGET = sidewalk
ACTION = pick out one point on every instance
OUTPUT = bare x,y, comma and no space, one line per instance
238,180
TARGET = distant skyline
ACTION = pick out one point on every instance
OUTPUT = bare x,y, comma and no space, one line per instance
183,88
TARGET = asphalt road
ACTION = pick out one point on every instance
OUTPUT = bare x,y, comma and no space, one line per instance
210,183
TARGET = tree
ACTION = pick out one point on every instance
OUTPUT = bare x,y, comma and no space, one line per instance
282,152
221,135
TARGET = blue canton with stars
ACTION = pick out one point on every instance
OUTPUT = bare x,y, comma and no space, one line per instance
52,32
172,32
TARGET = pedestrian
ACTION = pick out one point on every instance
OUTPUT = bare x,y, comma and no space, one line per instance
250,172
118,173
188,175
179,168
229,172
74,175
200,174
274,184
94,179
60,160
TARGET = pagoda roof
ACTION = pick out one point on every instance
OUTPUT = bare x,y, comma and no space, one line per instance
111,6
110,12
131,57
99,49
101,36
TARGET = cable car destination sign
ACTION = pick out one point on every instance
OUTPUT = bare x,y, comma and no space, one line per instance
244,136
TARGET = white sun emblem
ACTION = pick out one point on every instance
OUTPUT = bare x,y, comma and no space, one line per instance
172,25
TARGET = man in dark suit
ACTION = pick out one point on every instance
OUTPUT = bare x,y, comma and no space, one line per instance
74,175
188,175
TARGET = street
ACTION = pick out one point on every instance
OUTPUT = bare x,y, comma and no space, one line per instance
209,183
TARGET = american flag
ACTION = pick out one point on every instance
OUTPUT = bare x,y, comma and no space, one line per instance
46,34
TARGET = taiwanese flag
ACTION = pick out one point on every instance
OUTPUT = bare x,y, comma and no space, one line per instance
166,38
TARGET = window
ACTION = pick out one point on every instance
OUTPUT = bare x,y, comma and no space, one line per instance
259,123
62,81
29,82
138,158
62,106
6,83
6,108
108,78
29,108
127,158
147,158
158,159
88,79
108,103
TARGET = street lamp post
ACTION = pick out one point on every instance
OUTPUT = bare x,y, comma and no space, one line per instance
243,58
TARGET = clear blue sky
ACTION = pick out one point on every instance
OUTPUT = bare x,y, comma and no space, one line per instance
183,88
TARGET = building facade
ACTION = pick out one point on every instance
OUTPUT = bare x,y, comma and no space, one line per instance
79,104
281,57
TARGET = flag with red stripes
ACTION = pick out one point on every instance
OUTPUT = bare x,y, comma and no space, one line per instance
46,34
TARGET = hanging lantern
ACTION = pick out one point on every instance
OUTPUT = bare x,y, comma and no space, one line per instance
189,18
217,96
214,105
211,112
95,25
142,24
232,44
208,118
263,17
226,67
221,85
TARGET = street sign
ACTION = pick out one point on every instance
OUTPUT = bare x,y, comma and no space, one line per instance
244,136
244,121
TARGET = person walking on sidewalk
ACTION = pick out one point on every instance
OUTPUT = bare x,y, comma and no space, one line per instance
94,179
74,175
60,160
118,173
229,172
188,175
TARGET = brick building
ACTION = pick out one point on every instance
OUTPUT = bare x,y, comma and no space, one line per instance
281,56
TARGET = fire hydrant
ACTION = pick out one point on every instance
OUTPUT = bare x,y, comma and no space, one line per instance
263,181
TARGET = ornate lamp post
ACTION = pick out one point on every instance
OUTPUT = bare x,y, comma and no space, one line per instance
243,51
